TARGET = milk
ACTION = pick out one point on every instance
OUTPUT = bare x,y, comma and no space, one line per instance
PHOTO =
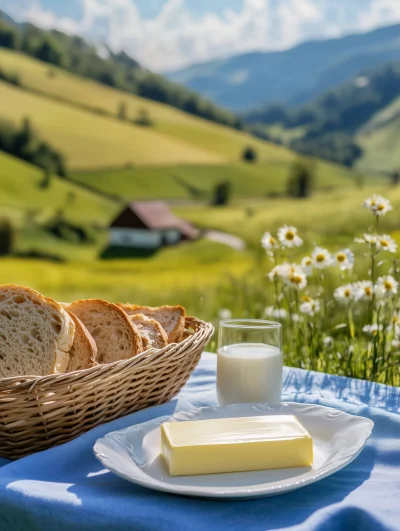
249,372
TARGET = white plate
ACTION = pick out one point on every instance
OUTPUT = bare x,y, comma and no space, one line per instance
134,453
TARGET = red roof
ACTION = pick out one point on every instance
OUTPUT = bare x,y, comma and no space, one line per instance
153,215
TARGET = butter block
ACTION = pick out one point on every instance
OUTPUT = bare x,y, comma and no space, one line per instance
217,446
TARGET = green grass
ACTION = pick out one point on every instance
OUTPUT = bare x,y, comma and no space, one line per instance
20,192
198,182
335,218
379,140
90,140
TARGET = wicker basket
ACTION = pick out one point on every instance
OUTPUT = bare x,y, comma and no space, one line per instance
37,413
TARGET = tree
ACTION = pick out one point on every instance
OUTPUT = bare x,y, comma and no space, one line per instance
222,193
122,111
249,154
301,180
46,181
6,237
143,118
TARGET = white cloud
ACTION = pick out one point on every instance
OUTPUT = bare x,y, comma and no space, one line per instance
175,38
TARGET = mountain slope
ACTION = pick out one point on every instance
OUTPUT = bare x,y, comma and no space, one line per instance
293,76
112,69
80,118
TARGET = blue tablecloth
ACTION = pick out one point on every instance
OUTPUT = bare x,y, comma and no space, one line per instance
66,488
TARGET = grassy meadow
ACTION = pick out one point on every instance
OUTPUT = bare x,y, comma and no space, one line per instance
179,158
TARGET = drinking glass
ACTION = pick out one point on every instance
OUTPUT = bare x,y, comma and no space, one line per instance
249,364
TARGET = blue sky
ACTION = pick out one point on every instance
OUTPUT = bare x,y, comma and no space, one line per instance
170,34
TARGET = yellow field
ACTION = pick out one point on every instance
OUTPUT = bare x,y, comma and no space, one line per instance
176,137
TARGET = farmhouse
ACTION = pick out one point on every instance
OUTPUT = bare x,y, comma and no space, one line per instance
149,225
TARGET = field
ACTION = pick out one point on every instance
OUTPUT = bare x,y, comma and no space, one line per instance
379,140
197,182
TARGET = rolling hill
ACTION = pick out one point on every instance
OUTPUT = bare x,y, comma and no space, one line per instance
292,76
178,154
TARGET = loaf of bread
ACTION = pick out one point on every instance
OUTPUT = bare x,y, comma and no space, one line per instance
36,333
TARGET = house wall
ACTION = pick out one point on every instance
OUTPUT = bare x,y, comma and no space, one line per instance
143,238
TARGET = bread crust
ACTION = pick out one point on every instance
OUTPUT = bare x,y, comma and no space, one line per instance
82,334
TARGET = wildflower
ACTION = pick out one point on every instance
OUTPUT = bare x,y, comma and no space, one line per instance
345,294
372,330
306,265
386,243
295,317
269,242
369,239
310,307
279,272
288,237
378,205
277,313
387,285
364,290
291,274
395,343
344,259
321,258
224,313
327,341
296,277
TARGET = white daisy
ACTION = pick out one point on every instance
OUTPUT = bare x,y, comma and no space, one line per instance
310,307
327,341
345,294
344,259
387,285
295,317
321,258
269,242
364,290
386,243
372,330
279,272
378,205
224,313
306,264
296,277
288,237
276,313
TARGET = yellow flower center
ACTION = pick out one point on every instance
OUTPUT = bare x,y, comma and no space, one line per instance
380,207
320,258
290,235
388,285
308,262
373,202
374,332
347,292
340,257
272,240
306,298
296,279
368,291
384,243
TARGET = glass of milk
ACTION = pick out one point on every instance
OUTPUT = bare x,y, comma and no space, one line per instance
249,364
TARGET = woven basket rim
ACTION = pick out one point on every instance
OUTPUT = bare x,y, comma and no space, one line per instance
30,381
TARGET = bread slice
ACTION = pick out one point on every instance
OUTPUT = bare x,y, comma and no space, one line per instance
152,333
36,333
83,353
171,318
115,336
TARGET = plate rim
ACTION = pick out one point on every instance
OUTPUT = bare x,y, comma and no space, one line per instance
233,492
